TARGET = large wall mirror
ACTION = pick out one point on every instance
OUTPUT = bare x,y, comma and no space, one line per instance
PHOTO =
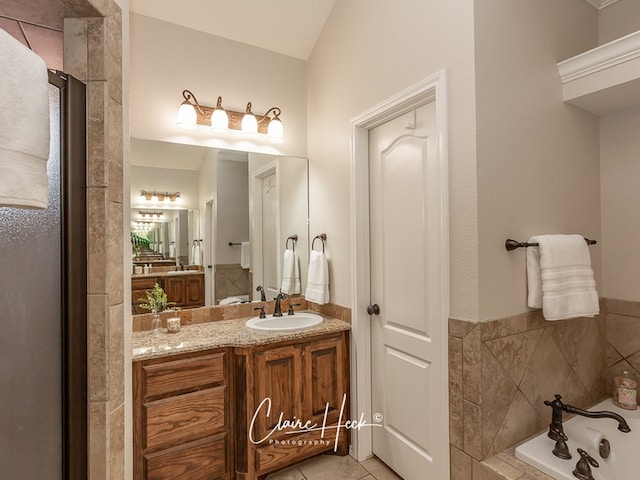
227,214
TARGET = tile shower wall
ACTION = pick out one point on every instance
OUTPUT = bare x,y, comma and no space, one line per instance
500,372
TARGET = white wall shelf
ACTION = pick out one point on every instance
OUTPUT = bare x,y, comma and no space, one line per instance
604,79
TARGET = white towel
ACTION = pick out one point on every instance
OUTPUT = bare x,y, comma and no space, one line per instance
245,255
230,301
318,279
560,278
24,126
291,273
196,255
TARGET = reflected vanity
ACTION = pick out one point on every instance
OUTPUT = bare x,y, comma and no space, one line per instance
228,234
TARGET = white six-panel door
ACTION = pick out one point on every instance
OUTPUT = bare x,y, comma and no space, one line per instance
408,337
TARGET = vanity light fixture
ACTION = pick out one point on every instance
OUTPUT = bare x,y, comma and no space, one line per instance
157,197
151,215
191,113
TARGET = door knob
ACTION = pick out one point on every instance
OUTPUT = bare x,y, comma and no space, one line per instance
373,309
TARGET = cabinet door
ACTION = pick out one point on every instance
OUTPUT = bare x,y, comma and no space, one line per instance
278,386
324,377
194,290
174,288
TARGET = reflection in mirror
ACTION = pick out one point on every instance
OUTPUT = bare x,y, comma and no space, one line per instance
237,210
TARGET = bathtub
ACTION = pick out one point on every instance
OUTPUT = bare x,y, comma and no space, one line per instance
586,433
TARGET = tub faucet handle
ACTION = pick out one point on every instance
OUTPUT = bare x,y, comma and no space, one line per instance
561,450
583,467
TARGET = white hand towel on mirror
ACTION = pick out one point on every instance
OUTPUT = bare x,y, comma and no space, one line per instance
24,126
196,255
560,278
290,273
318,279
297,284
245,255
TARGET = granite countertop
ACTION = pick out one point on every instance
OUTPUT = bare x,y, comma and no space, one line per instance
225,333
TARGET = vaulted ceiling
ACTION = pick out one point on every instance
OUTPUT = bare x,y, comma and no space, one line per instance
289,27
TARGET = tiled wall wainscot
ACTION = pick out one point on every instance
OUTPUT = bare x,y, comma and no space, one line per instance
500,373
623,339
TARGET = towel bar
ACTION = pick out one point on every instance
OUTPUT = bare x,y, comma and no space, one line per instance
510,244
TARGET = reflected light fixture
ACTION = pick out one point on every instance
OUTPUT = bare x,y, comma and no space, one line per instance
191,113
156,197
151,215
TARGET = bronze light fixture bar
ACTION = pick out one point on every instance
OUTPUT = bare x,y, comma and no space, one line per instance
192,113
161,196
150,215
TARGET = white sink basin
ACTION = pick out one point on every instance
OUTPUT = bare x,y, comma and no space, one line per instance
286,322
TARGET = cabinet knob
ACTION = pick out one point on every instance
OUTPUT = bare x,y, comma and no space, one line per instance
373,309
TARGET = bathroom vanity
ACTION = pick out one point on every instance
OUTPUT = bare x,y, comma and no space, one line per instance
184,288
219,401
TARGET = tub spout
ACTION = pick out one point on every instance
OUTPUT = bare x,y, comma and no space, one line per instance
623,426
555,427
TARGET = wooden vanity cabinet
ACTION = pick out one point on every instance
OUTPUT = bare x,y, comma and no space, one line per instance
182,416
139,288
305,380
186,291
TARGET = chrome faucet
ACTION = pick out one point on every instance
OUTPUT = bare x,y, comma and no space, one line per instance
555,427
277,312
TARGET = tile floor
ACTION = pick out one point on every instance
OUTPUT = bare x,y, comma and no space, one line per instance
333,467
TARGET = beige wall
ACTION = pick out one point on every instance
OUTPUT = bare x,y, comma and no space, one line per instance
538,166
368,51
619,19
620,184
167,59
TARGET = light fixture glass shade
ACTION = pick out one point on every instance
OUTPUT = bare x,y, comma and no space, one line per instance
219,119
249,123
275,128
187,114
154,198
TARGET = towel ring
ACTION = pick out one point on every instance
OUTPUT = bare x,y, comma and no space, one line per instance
294,239
322,237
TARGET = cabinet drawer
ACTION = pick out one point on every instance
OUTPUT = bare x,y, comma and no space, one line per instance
144,283
184,417
203,459
188,373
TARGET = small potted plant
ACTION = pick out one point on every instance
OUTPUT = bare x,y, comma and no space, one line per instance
156,301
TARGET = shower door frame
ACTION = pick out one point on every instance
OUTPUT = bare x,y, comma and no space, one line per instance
73,212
